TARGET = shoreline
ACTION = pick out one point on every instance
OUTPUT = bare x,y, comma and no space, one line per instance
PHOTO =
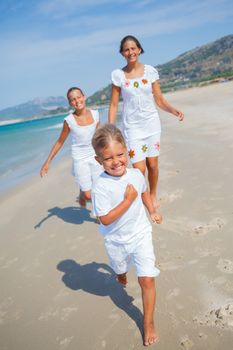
41,117
105,105
17,121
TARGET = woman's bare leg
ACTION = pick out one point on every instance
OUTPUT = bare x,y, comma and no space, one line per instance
141,166
152,164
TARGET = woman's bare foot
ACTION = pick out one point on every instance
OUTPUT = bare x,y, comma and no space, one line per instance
122,278
150,334
82,200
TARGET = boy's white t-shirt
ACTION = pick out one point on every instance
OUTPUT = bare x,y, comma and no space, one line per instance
107,192
81,136
140,115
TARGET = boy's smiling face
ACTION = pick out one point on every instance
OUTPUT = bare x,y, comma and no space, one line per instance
113,159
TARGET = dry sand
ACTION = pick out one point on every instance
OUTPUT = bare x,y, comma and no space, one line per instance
57,291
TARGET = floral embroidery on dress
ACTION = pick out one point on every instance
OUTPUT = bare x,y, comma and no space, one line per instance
157,146
144,81
144,148
131,153
135,84
127,83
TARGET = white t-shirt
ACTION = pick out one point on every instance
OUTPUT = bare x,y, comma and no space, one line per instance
140,115
107,192
81,136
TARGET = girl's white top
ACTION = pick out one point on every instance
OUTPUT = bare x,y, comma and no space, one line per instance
81,136
140,115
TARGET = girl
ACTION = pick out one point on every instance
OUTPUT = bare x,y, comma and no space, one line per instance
81,124
118,196
140,90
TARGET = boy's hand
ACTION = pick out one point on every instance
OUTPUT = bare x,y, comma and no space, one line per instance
156,217
130,193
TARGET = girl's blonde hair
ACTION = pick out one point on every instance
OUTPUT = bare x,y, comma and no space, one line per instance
104,135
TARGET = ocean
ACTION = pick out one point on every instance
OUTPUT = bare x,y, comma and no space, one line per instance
24,146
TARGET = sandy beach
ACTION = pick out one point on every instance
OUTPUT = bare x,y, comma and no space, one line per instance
57,290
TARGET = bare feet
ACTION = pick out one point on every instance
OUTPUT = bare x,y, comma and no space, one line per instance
122,278
150,334
81,199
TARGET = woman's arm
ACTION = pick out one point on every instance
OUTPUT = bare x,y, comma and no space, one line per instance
63,136
162,103
115,96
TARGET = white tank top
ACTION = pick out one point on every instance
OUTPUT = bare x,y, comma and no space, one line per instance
81,136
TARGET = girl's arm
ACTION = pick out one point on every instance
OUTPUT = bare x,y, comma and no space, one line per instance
120,209
162,103
115,96
147,201
63,136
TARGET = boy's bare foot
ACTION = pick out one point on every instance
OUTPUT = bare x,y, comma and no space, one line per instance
122,278
82,201
150,334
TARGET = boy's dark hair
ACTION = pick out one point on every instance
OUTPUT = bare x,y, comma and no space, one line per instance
131,38
104,135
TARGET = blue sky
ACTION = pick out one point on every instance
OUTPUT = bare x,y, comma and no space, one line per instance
48,46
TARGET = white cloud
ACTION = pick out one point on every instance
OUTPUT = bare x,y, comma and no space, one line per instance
63,8
150,24
38,51
103,29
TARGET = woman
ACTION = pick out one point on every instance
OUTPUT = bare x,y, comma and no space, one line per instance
140,89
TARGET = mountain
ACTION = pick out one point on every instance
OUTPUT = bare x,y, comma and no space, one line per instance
38,106
200,65
196,67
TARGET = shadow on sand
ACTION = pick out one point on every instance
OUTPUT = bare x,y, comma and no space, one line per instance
91,279
73,215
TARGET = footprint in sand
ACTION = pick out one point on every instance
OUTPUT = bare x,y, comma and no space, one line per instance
186,343
206,252
171,197
221,317
174,263
173,293
174,320
64,343
220,281
168,265
167,174
225,265
203,336
9,262
57,312
215,224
